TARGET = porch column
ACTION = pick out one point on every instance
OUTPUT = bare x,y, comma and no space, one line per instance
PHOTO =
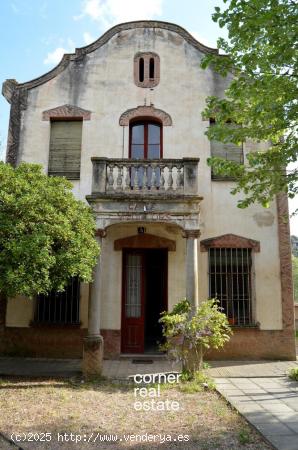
192,284
93,343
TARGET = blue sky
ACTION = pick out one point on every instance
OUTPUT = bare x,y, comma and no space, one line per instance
34,34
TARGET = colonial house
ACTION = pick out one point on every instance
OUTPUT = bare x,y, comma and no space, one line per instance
121,118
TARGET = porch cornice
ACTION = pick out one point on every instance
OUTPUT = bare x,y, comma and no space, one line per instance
145,241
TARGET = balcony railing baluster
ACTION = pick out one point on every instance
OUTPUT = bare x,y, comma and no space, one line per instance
162,178
173,176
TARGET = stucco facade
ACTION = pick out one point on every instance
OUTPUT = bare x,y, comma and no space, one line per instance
97,84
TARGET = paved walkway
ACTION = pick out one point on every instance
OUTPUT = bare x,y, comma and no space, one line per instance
125,367
269,404
247,369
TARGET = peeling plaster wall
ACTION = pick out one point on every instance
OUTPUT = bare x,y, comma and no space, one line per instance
102,82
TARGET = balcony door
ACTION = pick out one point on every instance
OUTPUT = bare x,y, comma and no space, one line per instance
145,140
145,143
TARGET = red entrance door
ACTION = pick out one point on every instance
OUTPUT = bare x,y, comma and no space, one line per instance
133,303
144,298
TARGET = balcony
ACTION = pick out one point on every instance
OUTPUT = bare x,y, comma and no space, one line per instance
145,190
143,177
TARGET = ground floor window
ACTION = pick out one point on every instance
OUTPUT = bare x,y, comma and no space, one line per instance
60,308
230,282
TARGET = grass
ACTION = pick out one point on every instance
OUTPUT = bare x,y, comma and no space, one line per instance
99,406
244,437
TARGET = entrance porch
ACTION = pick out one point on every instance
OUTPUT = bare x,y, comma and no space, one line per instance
148,232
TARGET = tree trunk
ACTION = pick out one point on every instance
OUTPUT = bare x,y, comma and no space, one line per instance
193,362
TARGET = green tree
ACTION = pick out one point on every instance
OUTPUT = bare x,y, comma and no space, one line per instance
261,52
46,235
295,277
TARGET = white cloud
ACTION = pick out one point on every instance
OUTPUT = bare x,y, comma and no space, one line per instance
110,12
202,39
88,38
56,55
15,9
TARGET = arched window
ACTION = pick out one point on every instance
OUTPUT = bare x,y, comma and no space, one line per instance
145,140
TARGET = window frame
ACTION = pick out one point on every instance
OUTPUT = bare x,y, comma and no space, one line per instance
146,122
148,81
214,177
67,174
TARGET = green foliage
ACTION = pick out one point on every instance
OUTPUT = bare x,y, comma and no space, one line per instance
294,241
197,382
46,235
244,437
295,277
189,333
293,374
262,55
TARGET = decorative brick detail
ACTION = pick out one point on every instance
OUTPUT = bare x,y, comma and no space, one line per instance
92,356
17,97
112,343
145,241
246,343
229,241
148,82
285,256
44,342
66,112
252,343
146,112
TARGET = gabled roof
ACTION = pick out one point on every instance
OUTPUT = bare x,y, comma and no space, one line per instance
80,52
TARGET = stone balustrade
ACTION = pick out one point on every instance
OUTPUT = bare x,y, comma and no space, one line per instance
145,177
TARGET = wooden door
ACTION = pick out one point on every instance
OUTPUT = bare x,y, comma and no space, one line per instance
132,334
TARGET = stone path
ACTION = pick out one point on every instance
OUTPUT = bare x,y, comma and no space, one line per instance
232,369
269,404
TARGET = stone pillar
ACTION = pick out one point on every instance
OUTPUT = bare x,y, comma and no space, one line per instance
191,263
93,343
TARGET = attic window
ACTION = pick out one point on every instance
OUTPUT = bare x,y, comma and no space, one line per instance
141,70
146,69
151,68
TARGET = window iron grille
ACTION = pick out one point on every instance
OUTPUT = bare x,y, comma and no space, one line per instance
230,282
60,308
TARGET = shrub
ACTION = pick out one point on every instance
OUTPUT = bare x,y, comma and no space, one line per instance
293,374
189,333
